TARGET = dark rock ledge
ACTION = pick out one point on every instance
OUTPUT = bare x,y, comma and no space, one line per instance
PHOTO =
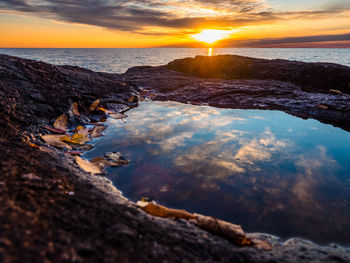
51,211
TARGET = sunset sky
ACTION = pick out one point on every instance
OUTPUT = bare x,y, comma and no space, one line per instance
173,23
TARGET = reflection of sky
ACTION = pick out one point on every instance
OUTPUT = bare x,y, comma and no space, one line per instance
266,170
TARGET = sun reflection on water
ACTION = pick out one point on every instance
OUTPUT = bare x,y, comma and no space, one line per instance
210,52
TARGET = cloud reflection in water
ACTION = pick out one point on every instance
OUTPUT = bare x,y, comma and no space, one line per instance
266,170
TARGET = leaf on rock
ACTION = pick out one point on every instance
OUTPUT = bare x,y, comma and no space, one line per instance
97,131
162,211
94,105
76,138
34,145
231,232
132,99
101,161
102,109
323,107
335,91
61,122
75,109
88,167
55,141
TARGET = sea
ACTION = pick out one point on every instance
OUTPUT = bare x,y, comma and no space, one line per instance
118,60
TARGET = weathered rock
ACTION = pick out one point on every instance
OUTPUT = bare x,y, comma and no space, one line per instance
310,76
51,211
301,100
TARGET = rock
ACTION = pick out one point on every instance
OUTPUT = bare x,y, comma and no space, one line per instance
72,216
248,83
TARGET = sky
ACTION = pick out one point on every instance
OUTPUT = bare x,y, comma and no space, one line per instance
174,23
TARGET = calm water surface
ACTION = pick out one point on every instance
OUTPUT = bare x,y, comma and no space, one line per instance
266,170
118,60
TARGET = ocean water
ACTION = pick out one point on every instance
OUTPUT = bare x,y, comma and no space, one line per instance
120,59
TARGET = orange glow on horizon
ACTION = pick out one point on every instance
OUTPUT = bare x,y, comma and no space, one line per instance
212,35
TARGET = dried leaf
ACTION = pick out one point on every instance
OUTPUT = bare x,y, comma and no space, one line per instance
101,161
55,140
132,99
55,130
34,145
162,211
76,138
335,91
102,109
323,107
117,116
88,167
61,122
94,105
117,158
82,131
97,131
82,147
233,233
75,109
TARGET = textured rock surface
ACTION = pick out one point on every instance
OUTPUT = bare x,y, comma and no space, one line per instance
50,211
315,102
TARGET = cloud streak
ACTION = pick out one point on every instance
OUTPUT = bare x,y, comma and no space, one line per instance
136,15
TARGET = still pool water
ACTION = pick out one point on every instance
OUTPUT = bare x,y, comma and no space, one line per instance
266,170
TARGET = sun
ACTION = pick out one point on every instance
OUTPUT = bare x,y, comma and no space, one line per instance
212,35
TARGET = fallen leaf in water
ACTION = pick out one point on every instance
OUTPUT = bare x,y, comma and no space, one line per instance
34,145
75,109
117,158
132,99
82,131
101,161
97,131
54,130
55,140
117,116
82,147
61,122
94,105
76,138
88,167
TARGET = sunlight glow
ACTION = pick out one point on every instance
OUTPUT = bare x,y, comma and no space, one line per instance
210,52
212,35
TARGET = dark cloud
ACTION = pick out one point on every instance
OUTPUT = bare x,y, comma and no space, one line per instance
283,41
135,15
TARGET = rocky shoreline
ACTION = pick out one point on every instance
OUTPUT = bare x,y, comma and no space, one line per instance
53,211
